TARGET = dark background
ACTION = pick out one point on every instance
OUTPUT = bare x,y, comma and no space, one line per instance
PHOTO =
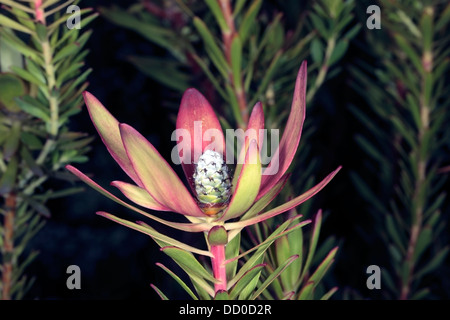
119,263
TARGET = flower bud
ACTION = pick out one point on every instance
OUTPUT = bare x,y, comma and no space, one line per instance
212,181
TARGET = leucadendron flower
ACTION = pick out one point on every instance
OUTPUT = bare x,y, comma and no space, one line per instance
214,197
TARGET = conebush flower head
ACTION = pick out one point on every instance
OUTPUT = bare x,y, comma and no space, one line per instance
215,200
212,181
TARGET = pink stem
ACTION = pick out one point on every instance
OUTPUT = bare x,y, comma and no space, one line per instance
219,268
39,13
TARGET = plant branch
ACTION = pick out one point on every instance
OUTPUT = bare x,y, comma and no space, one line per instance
219,268
227,38
418,195
8,245
331,44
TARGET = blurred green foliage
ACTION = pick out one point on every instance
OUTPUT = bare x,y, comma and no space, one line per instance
406,140
41,81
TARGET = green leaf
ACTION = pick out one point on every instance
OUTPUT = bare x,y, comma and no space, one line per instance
146,229
444,18
15,44
41,31
178,280
249,20
27,106
313,243
273,275
31,141
268,77
317,276
69,87
318,24
317,50
9,23
159,35
159,292
236,61
426,25
294,270
36,70
11,87
12,142
421,294
423,241
408,22
165,71
191,266
8,179
283,252
232,250
222,295
307,291
434,263
261,249
218,14
403,130
245,185
409,51
365,191
67,73
352,32
69,50
395,232
338,52
26,75
39,207
31,163
369,148
211,77
17,7
214,52
244,281
328,295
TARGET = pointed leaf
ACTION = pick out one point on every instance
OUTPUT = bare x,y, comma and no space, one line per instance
328,295
307,292
9,23
214,52
254,128
284,207
247,186
156,175
108,129
138,195
159,292
189,227
291,135
317,276
146,229
249,20
178,280
273,275
245,280
8,178
188,262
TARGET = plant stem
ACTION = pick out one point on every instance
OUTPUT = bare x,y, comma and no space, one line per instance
219,268
331,44
53,127
418,196
8,245
227,38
